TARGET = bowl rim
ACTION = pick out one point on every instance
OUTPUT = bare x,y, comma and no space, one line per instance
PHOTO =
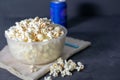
64,35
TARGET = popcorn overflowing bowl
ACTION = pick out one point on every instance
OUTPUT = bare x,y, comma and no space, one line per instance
34,49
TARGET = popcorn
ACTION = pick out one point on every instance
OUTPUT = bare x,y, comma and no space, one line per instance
34,30
80,66
72,65
60,61
65,67
34,68
66,73
48,78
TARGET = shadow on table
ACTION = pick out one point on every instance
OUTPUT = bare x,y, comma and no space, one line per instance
84,11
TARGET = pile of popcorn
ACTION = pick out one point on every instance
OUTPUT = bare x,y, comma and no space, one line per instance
34,30
64,68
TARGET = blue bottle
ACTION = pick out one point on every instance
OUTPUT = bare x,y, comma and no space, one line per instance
58,12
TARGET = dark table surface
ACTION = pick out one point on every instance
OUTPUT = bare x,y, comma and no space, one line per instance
102,59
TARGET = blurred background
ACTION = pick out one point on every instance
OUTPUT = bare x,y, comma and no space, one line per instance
28,8
78,10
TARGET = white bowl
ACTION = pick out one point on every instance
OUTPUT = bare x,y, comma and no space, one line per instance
37,52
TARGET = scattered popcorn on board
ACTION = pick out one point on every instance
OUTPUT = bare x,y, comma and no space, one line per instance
64,68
